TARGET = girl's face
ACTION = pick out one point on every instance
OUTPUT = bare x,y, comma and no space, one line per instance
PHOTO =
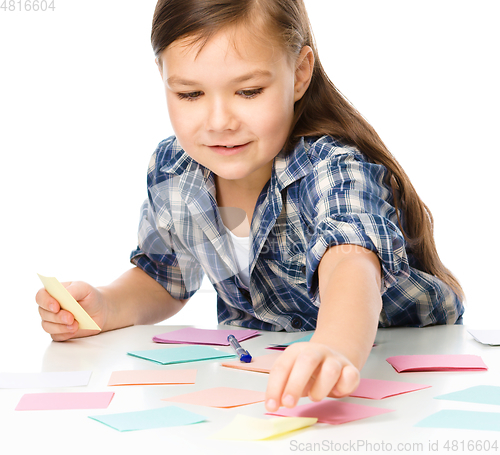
231,103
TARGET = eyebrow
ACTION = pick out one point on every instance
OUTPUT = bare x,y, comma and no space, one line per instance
243,78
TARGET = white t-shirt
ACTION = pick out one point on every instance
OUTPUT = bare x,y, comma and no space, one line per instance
242,248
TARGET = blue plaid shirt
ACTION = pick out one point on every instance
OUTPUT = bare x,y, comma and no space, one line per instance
321,194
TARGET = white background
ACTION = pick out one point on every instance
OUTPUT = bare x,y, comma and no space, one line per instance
82,109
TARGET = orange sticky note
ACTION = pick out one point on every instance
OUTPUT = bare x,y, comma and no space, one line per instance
261,364
220,397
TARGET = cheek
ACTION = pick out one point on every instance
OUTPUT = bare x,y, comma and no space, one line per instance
274,119
182,123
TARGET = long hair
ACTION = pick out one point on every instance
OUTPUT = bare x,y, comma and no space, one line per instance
322,110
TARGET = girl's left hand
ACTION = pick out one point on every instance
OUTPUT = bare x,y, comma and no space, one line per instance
309,369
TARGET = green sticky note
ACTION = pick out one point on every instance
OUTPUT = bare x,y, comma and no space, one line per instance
463,420
169,416
484,394
181,354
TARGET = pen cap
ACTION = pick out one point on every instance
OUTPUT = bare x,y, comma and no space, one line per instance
247,358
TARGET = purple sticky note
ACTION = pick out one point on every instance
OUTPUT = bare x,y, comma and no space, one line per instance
332,411
378,388
437,362
53,401
191,335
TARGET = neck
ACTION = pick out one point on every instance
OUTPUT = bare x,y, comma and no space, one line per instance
240,194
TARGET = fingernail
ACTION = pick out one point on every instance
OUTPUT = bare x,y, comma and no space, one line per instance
289,401
271,405
53,307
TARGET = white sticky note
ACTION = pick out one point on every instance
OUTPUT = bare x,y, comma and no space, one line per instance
491,337
67,302
44,379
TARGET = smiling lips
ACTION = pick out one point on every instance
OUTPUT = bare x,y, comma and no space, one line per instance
228,149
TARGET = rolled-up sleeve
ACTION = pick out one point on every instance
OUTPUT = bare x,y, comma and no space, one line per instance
348,203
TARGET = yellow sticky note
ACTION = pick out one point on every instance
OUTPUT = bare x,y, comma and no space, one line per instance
68,303
245,428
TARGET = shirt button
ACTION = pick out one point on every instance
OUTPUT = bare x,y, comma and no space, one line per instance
296,322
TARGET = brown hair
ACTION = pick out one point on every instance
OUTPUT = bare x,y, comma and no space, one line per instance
322,110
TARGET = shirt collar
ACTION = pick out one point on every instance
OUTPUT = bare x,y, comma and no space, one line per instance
288,166
179,160
291,166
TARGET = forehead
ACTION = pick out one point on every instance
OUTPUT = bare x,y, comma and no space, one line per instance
231,47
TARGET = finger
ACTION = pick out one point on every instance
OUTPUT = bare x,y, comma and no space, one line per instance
62,337
60,329
46,301
326,378
277,380
347,383
309,385
62,317
303,369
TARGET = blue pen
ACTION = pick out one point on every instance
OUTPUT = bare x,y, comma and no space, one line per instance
242,354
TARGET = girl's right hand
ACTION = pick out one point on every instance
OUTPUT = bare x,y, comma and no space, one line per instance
61,324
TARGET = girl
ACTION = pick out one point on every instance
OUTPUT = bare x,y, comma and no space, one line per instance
278,190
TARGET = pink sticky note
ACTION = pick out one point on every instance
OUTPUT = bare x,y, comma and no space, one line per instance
191,335
261,364
332,411
377,389
152,377
451,362
220,397
53,401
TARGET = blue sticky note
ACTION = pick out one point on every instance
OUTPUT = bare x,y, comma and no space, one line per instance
169,416
484,394
301,340
463,420
181,354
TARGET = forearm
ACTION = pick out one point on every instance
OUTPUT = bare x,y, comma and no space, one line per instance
136,298
349,288
351,302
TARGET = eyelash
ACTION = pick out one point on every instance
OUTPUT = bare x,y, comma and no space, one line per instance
192,96
247,94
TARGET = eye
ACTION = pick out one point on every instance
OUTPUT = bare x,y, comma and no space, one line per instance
190,96
250,93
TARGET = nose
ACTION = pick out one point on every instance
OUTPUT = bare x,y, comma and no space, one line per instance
221,116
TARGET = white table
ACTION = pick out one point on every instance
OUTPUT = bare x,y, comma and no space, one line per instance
73,432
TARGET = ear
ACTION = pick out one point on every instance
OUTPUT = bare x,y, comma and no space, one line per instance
303,71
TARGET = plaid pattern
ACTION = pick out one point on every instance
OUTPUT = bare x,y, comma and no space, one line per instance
322,194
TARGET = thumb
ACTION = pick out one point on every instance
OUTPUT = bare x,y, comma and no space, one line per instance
78,289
